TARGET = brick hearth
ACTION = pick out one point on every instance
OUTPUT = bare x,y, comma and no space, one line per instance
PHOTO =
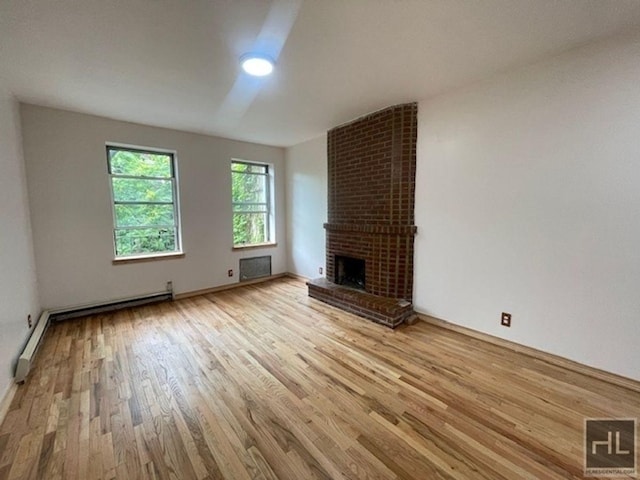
371,176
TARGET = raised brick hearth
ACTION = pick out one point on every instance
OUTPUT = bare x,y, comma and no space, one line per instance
371,213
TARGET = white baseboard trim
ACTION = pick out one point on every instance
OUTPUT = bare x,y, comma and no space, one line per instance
204,291
550,358
298,277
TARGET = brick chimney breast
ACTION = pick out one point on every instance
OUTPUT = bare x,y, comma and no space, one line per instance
371,175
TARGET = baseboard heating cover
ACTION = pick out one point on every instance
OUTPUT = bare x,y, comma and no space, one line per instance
255,267
29,352
92,309
26,358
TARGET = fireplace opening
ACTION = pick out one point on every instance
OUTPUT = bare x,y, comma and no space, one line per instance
350,272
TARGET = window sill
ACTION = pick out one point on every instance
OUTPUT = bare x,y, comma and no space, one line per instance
255,245
147,258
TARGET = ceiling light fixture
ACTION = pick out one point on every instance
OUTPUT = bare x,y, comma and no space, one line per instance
256,64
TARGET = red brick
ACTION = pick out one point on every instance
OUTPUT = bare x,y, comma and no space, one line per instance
371,175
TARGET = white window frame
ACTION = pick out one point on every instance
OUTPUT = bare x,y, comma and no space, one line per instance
176,201
269,209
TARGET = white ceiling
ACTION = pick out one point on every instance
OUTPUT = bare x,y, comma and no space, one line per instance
173,63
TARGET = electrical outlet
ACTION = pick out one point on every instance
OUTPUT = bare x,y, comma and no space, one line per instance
29,322
230,273
505,319
169,286
320,270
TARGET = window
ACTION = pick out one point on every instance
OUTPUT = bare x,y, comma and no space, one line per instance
250,188
145,210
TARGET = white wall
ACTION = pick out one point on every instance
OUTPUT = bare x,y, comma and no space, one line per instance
71,209
306,206
528,201
18,291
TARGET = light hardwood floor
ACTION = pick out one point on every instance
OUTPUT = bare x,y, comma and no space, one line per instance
263,382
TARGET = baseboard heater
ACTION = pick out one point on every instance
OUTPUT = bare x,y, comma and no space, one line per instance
28,354
94,308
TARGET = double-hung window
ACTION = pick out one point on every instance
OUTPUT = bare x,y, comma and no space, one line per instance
145,202
251,199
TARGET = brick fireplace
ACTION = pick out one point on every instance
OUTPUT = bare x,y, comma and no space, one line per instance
370,230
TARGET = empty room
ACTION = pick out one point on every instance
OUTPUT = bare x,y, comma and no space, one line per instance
319,239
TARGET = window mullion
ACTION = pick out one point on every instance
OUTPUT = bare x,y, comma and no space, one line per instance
250,173
136,177
127,202
144,227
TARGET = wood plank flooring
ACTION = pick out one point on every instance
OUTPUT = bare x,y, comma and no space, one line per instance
262,382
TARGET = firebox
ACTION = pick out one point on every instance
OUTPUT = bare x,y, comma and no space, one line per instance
350,272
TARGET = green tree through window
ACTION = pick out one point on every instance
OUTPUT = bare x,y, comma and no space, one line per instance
251,205
144,202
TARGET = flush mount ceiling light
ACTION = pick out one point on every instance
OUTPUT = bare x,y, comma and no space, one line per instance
256,64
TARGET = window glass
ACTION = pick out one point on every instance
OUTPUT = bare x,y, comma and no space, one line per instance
143,187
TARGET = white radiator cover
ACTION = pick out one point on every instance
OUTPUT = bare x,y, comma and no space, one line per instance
26,358
28,354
